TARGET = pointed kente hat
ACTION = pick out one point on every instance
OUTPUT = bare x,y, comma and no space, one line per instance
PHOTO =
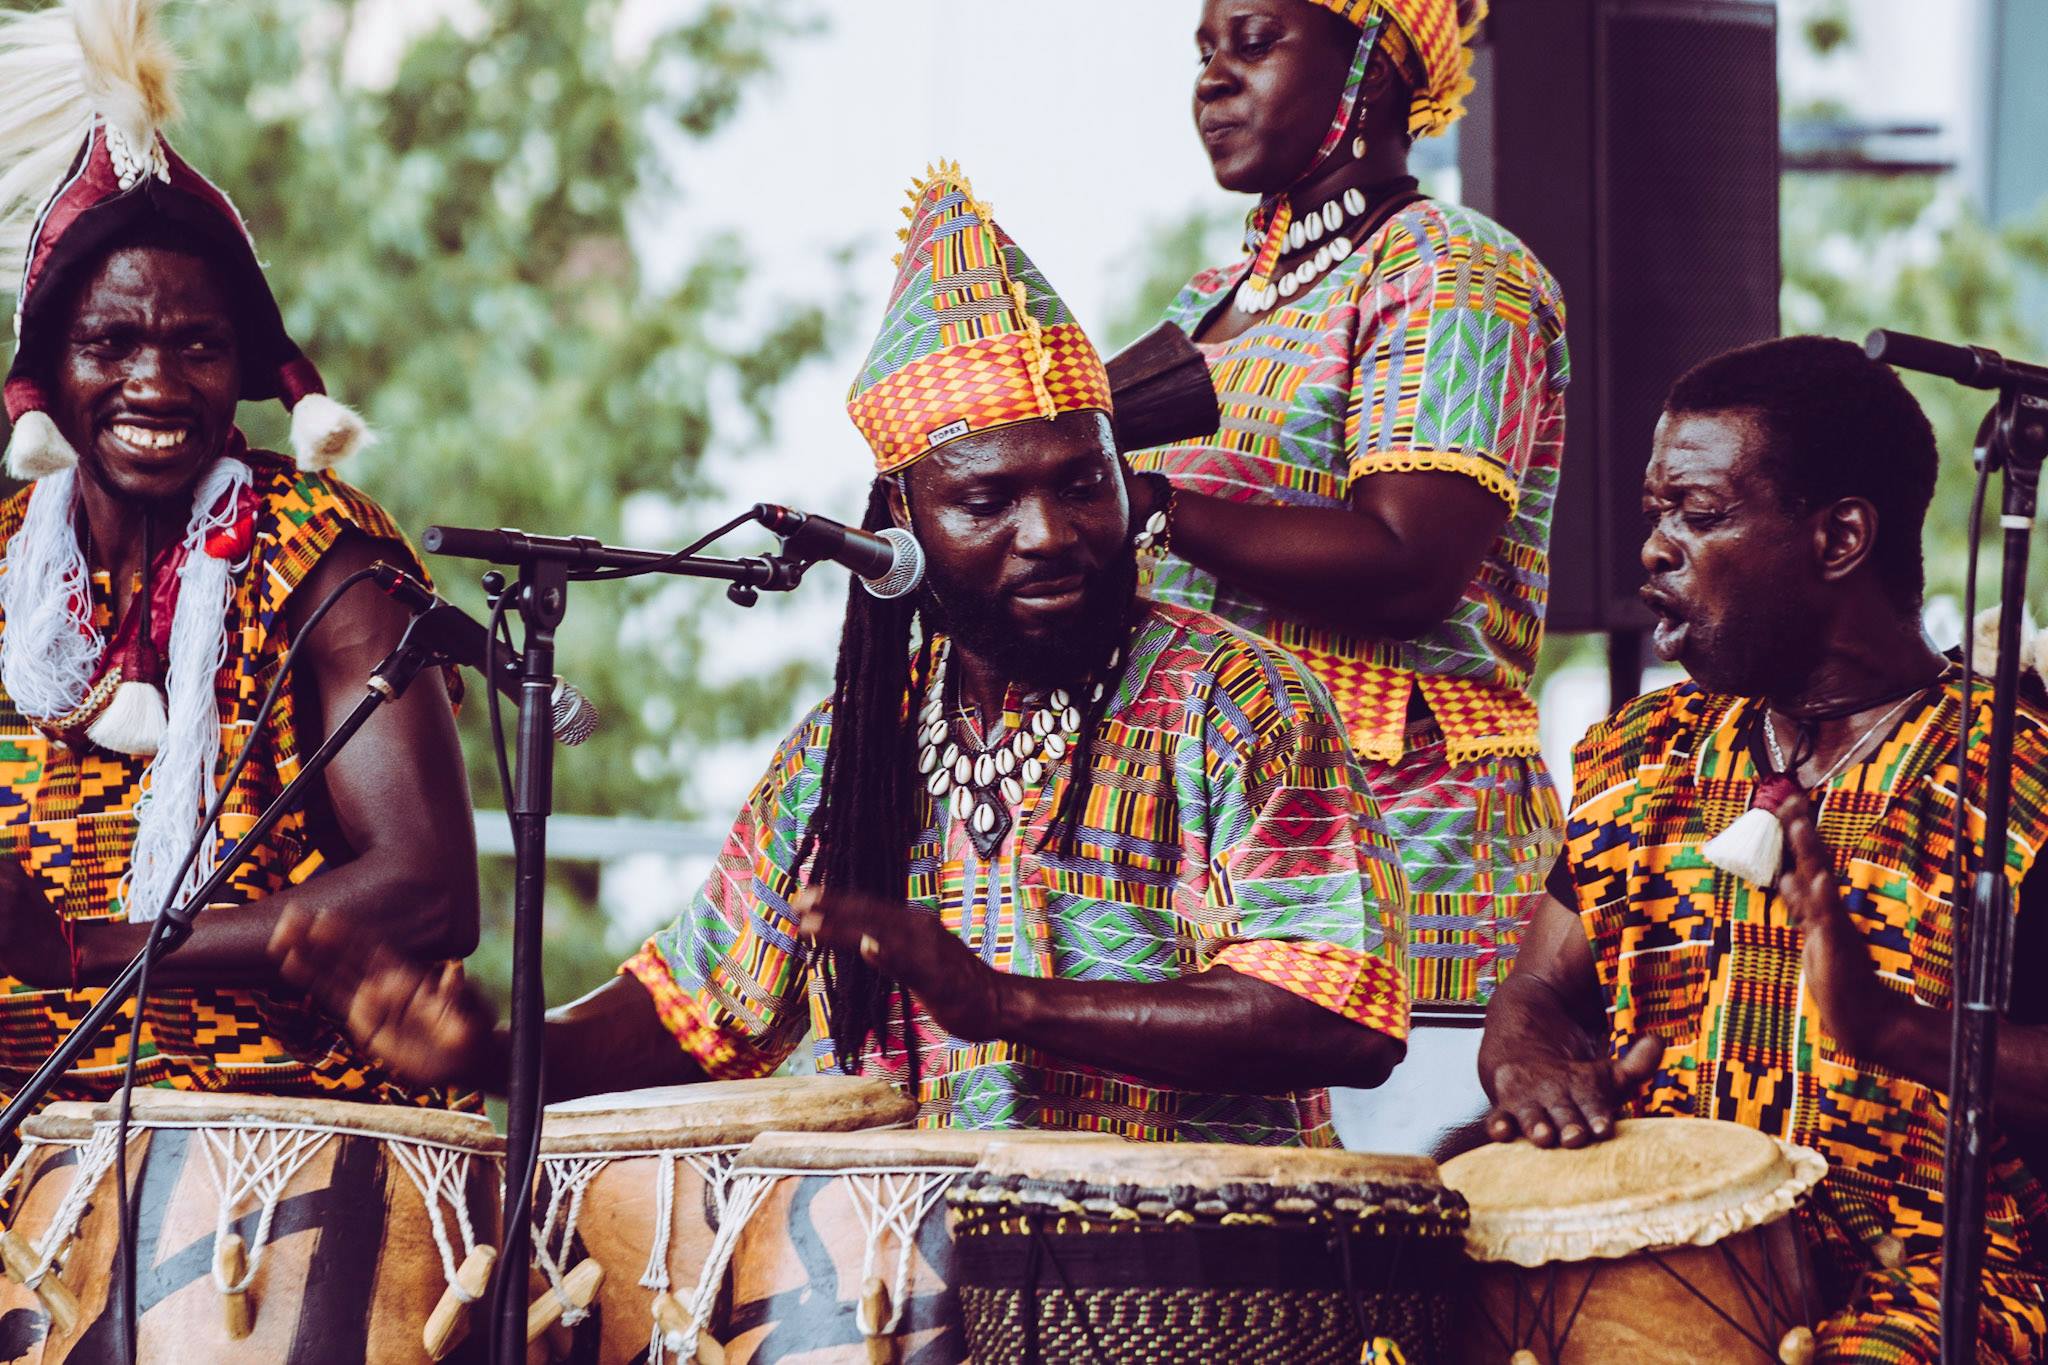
85,91
973,337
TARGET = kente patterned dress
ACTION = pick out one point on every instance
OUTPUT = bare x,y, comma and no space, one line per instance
1712,964
1437,345
67,815
1227,826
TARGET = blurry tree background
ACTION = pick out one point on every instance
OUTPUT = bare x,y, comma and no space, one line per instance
446,208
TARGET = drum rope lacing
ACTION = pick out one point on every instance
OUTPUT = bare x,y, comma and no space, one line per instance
898,1202
571,1177
255,1162
441,1175
744,1194
95,1159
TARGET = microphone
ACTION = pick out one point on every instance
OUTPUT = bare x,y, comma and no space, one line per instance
888,563
467,642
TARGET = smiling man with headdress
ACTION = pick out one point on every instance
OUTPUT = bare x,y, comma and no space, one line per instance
1052,856
1391,369
156,571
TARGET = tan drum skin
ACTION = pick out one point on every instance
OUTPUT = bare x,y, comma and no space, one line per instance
628,1132
349,1270
1690,1179
797,1266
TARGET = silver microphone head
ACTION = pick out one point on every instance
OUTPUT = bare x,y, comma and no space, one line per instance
906,573
575,714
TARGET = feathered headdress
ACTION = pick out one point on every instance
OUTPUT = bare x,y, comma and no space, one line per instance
85,93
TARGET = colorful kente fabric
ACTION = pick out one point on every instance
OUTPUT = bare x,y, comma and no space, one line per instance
1227,825
1477,839
67,816
973,337
1438,345
1442,48
1713,965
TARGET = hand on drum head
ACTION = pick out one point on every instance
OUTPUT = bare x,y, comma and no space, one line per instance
1554,1100
427,1022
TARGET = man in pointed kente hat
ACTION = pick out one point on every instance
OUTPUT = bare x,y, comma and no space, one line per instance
1053,856
156,572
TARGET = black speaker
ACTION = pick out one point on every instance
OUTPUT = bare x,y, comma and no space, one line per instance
1633,144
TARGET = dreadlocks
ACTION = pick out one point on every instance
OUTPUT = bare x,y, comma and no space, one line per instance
871,807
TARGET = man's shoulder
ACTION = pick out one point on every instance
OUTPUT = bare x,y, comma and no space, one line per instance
1641,736
1255,674
293,498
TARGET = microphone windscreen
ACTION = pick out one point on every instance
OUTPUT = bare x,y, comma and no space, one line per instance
575,715
905,573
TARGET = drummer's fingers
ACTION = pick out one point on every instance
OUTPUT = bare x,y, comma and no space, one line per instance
1595,1104
1501,1125
1637,1063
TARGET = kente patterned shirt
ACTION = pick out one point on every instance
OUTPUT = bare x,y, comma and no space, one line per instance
1437,345
68,816
1712,963
1227,826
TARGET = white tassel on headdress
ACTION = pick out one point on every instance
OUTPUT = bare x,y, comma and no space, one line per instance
37,449
180,778
324,433
133,722
59,69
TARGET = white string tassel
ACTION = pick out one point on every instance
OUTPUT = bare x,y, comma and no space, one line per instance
1753,848
49,651
655,1277
180,777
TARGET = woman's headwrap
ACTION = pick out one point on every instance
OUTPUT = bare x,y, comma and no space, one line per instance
85,91
973,337
1428,39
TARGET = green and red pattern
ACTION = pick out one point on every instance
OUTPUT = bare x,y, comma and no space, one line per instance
1712,964
1227,826
68,816
1437,345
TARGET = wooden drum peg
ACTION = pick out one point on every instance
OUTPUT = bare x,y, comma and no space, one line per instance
232,1259
873,1317
59,1303
579,1287
1523,1357
1797,1347
448,1324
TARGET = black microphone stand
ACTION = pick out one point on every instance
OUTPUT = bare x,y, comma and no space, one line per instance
419,648
2014,442
547,565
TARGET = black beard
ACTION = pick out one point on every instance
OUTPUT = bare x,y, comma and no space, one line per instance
981,623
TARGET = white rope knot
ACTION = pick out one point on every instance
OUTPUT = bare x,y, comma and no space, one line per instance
895,1202
256,1163
95,1159
441,1175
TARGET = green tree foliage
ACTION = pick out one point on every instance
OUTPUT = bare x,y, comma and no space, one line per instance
450,238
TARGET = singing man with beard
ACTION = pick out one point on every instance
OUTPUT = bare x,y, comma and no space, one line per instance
1053,856
1674,970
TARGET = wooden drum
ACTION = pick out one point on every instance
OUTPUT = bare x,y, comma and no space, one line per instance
268,1230
47,1216
843,1256
633,1193
1157,1255
1672,1241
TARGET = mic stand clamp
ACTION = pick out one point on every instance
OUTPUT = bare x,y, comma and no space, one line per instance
416,650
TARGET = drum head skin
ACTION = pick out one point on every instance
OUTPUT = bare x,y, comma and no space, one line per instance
153,1108
1656,1183
721,1113
60,1121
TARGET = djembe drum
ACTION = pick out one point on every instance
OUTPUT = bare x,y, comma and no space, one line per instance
274,1230
1669,1242
841,1254
633,1194
1154,1255
47,1205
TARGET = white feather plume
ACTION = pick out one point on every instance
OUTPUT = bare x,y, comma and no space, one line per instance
59,68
